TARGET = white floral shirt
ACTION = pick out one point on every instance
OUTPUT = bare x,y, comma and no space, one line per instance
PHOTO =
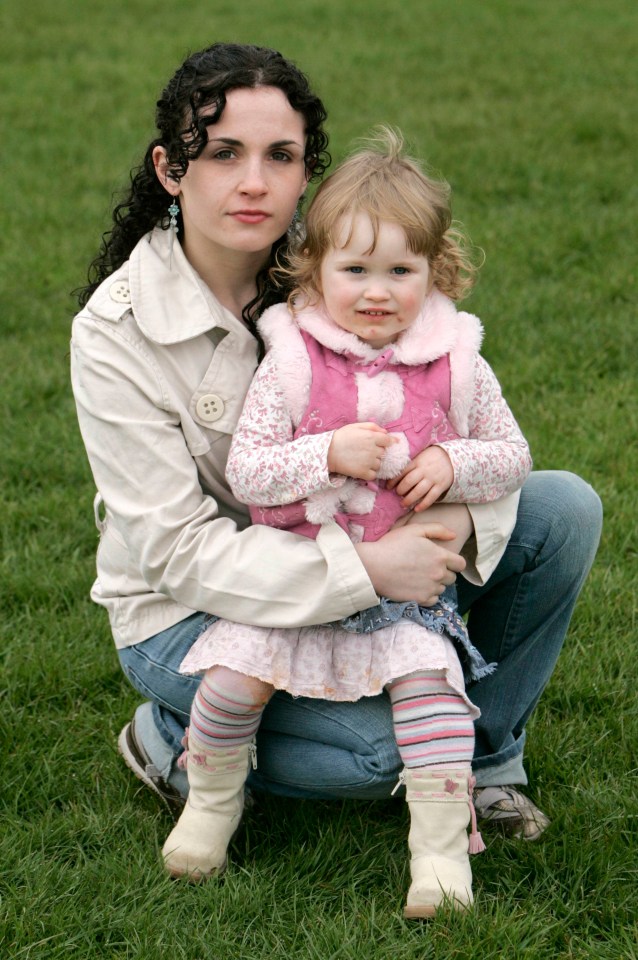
266,466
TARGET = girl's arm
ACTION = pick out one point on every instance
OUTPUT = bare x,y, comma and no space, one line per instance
495,460
266,467
490,463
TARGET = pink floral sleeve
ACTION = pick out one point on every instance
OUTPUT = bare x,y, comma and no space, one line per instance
266,467
495,459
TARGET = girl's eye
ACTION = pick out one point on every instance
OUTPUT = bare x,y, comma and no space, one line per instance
400,271
354,270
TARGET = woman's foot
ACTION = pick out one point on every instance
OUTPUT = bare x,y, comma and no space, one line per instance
511,811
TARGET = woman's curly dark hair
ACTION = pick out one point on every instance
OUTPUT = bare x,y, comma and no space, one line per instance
182,122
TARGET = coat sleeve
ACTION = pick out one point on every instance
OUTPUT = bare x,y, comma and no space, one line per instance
165,534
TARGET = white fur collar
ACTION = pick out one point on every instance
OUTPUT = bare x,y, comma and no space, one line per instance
438,330
433,333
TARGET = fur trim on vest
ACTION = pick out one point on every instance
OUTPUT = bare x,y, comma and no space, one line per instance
438,330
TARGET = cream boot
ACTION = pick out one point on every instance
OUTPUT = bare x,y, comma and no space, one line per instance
197,845
440,811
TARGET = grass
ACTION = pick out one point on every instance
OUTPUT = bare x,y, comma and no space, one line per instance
528,108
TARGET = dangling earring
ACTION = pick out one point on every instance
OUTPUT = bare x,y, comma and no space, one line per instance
295,228
173,229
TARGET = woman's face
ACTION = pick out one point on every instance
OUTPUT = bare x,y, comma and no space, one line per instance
241,193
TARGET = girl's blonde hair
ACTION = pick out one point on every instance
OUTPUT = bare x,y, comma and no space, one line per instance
380,180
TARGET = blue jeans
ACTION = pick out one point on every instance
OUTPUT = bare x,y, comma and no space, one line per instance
317,748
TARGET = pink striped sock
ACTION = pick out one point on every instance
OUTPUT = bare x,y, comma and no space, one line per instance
222,717
432,722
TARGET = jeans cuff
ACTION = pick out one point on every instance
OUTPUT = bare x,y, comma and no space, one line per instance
507,772
157,749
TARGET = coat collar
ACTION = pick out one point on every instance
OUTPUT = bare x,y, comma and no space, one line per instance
169,301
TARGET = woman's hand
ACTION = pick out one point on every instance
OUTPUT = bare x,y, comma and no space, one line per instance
406,563
357,450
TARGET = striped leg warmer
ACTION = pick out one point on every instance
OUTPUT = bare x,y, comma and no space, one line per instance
222,716
432,723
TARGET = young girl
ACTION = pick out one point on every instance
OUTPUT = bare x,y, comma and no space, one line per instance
372,406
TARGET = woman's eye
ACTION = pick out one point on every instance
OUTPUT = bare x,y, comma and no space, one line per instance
281,155
223,155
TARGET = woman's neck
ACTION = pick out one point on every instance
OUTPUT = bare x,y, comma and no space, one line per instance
230,275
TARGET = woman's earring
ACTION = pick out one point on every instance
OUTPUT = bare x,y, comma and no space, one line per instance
173,210
295,226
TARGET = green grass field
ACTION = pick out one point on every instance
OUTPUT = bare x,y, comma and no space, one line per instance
529,109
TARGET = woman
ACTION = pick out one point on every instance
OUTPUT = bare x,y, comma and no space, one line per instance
162,355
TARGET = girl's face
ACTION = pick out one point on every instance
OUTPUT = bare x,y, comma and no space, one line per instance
241,193
377,294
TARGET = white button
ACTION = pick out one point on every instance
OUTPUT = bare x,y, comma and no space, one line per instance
210,407
119,291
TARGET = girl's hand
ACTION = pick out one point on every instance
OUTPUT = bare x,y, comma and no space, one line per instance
357,450
425,480
405,564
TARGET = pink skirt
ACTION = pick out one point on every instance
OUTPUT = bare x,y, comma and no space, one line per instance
327,662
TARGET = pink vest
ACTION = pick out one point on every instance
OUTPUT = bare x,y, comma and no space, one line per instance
333,403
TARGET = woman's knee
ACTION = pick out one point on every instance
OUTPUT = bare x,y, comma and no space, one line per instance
158,682
328,748
564,508
571,494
